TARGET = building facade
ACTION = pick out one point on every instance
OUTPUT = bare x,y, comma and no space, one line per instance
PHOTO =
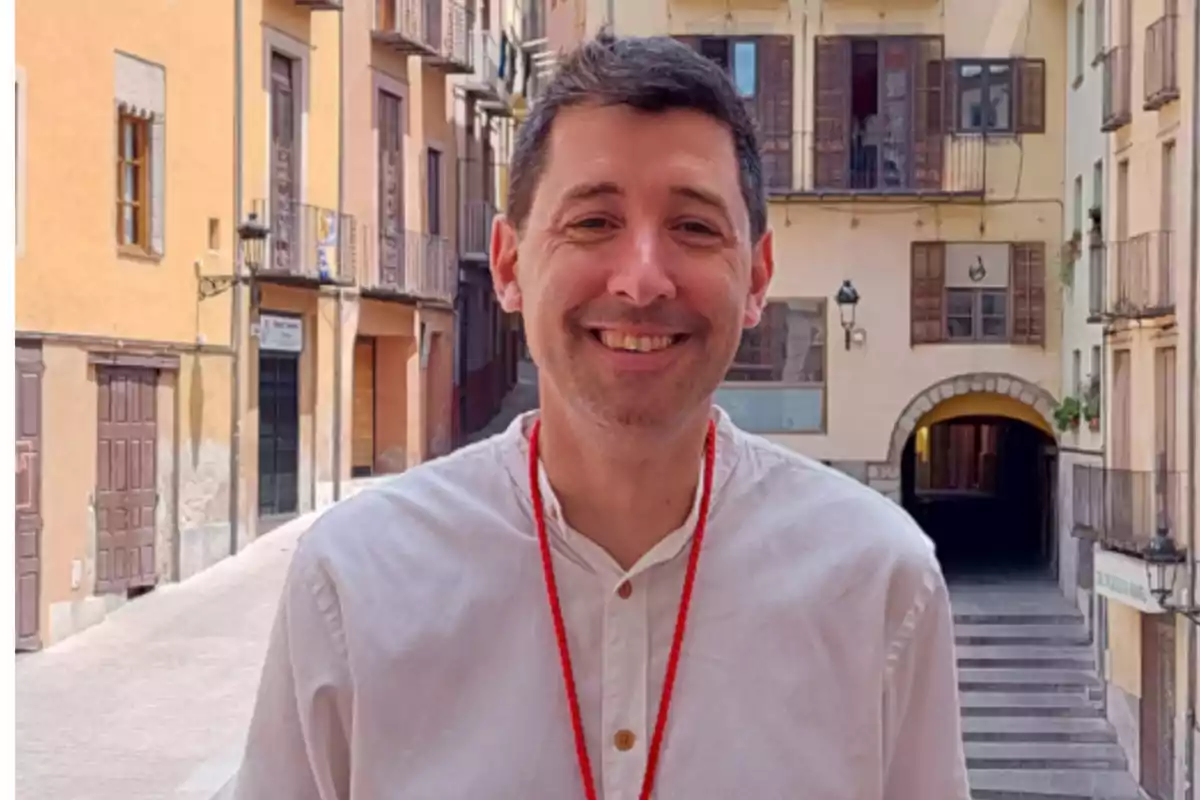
1142,307
253,310
914,163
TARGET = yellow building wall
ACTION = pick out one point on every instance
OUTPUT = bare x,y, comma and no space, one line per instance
1125,648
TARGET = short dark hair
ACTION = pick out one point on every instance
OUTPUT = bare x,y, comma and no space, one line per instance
652,74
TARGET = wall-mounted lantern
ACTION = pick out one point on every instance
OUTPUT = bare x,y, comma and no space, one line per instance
847,299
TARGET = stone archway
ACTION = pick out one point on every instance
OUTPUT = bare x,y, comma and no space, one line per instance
885,476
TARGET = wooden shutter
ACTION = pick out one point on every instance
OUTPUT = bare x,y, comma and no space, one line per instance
928,290
831,113
1030,90
951,69
928,121
1028,289
773,110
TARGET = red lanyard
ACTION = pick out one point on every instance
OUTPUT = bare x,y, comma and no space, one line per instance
560,631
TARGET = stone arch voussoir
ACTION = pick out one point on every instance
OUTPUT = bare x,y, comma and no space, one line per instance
1002,383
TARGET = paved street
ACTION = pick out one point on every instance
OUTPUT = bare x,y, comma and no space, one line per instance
152,703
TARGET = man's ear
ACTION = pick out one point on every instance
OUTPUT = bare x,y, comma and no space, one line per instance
762,267
504,264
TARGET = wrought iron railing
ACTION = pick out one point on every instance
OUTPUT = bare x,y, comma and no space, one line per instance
410,264
866,163
1123,508
1161,70
1141,276
306,242
1117,97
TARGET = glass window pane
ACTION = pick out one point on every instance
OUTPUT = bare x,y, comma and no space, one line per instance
128,139
774,409
994,327
959,302
128,225
999,96
745,67
129,183
994,303
787,345
959,327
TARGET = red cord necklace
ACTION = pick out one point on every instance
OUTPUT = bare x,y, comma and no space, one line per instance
560,631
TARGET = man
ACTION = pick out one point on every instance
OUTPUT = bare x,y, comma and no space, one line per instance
622,594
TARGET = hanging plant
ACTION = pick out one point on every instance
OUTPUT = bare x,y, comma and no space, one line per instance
1067,414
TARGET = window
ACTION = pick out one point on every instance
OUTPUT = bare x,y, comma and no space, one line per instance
1000,96
1098,185
957,457
434,188
1100,38
776,383
133,182
978,292
761,69
1076,386
1080,41
1077,204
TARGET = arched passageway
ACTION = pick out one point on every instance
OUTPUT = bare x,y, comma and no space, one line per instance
977,472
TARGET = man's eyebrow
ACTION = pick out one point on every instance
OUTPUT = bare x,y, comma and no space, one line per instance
587,191
711,199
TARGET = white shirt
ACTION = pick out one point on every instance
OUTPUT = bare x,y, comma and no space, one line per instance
414,656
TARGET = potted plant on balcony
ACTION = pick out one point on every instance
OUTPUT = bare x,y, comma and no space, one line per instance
1091,403
1067,414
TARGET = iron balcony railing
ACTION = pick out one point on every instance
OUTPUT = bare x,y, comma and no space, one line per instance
439,30
306,243
1161,71
867,164
1117,97
409,264
1123,509
455,53
1096,280
477,207
1141,276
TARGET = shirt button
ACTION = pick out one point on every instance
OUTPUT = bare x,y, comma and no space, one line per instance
623,740
624,590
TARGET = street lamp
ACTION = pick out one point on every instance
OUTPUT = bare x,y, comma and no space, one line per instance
847,300
1163,561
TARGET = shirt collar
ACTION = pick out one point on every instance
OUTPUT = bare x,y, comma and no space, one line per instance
514,444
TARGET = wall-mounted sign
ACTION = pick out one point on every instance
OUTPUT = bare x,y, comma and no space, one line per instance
280,334
1124,579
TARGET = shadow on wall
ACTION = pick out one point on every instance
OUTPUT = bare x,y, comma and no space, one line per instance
196,409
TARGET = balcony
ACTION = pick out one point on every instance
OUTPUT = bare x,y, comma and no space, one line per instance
1117,102
408,265
1141,282
1096,282
485,82
868,164
306,244
1161,72
477,208
437,30
321,5
1122,509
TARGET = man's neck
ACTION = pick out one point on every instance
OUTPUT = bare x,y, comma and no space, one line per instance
623,490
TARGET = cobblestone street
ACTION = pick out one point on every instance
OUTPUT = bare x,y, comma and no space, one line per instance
152,703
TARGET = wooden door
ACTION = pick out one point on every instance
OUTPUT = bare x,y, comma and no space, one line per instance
28,530
284,164
278,433
391,191
126,475
1157,710
363,436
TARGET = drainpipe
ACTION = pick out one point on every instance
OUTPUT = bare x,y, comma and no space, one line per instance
235,321
337,325
1193,319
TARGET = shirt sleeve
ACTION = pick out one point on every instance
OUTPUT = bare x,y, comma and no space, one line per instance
923,733
297,744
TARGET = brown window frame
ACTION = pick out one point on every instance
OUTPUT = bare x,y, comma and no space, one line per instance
140,160
1009,82
1026,82
977,314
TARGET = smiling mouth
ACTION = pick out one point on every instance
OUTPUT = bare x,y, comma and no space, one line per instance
631,343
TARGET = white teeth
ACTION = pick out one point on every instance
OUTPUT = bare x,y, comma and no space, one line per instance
616,340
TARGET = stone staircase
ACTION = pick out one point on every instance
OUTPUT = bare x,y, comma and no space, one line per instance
1033,720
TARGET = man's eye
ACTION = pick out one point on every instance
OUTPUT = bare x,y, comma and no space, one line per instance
592,223
698,228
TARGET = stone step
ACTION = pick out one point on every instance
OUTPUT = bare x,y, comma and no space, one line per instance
993,679
1040,755
1033,657
1037,729
1052,784
1021,635
1009,704
1018,618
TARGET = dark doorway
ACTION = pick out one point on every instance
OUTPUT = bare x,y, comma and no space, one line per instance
983,489
278,433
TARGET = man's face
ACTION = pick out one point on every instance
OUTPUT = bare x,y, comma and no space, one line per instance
635,273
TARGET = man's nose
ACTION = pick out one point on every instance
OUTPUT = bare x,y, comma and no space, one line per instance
640,276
